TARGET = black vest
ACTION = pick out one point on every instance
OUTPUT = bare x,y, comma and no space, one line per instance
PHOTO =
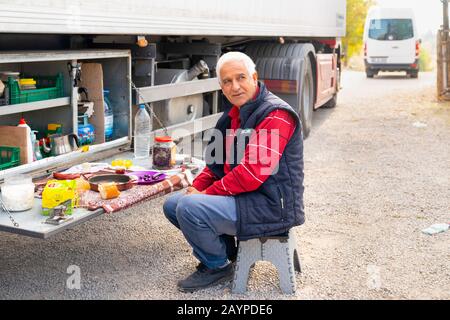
277,205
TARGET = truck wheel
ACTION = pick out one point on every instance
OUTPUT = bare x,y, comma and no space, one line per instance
288,62
331,103
369,74
414,74
306,98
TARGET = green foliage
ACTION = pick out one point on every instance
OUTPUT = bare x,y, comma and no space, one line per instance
356,15
425,61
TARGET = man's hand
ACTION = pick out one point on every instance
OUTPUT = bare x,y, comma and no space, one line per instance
192,190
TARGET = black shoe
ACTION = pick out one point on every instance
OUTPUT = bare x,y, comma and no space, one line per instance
205,278
200,266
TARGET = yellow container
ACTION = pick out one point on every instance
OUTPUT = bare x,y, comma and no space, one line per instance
59,192
28,82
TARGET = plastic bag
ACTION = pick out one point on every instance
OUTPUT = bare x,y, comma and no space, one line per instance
59,193
436,228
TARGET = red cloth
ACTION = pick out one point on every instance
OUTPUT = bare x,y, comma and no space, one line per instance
92,200
261,156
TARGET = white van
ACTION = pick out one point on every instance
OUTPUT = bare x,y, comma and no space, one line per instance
391,42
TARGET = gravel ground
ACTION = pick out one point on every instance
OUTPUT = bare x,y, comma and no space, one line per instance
373,182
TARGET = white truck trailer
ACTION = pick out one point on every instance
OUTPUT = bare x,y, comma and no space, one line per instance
168,50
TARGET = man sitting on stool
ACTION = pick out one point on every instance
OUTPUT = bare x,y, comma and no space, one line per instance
252,185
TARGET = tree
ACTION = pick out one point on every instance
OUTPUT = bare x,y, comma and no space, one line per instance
425,60
356,16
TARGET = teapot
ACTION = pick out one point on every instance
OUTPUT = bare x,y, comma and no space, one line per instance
60,144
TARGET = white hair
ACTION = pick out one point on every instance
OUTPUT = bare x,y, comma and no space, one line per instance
236,56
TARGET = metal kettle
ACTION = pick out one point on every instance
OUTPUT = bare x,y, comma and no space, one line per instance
61,144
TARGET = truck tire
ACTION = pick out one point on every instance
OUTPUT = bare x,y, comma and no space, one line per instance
289,62
414,74
306,98
331,103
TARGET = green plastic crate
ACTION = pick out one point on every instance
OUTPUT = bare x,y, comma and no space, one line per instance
47,87
9,157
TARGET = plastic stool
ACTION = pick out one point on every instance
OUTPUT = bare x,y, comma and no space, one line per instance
281,251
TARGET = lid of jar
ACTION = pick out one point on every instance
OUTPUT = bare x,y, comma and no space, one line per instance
163,139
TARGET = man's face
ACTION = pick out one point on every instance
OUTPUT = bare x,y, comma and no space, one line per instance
237,85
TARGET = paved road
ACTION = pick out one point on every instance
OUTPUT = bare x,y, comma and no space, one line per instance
373,181
356,85
378,172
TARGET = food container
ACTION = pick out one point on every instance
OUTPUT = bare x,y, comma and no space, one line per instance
18,193
27,84
164,151
59,195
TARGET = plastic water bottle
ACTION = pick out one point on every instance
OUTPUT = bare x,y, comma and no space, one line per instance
109,117
142,130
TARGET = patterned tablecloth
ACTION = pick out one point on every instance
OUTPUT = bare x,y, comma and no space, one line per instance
92,200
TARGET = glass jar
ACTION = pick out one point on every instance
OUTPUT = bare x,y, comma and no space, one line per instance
18,193
164,151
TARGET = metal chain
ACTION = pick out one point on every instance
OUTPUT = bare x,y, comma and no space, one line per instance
4,208
148,106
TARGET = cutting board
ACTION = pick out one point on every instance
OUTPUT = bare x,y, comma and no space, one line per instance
12,136
92,80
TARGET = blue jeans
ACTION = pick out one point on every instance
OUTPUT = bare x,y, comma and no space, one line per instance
208,223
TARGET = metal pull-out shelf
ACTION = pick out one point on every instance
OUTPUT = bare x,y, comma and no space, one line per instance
31,222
